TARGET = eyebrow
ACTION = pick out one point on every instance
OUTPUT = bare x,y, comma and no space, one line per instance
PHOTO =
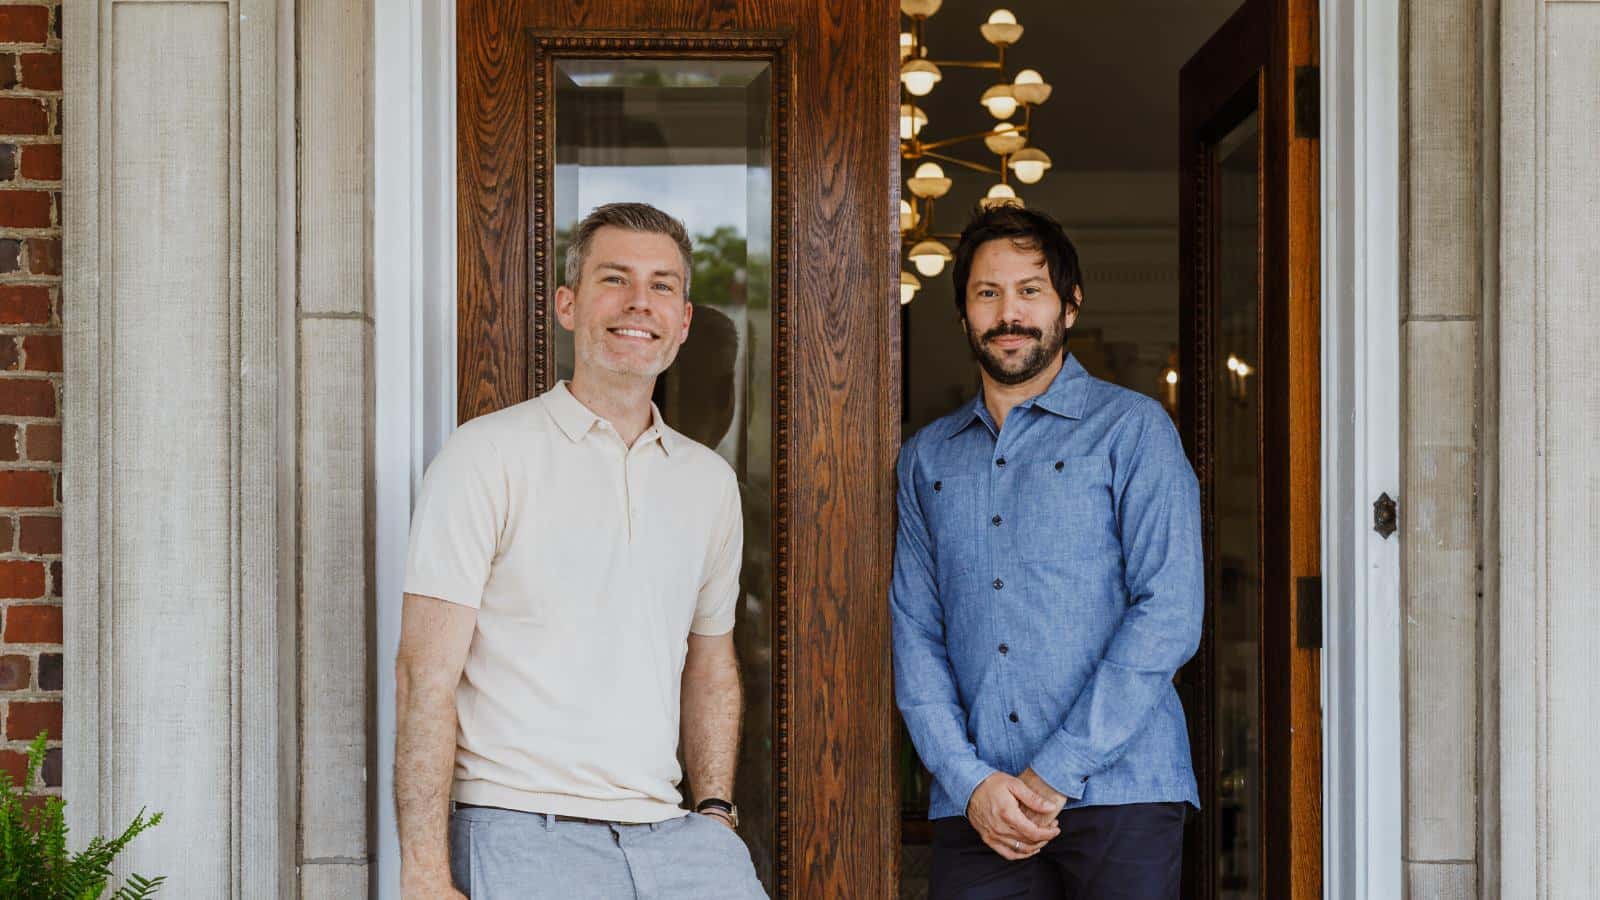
983,283
659,273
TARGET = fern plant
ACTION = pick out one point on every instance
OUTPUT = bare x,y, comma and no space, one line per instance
34,862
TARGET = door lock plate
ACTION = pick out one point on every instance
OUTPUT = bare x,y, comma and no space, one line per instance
1384,515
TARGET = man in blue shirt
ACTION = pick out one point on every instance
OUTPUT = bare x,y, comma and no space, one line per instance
1048,583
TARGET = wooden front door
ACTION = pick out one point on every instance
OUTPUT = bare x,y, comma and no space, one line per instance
769,126
1250,398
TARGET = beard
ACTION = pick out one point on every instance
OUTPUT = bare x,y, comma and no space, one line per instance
1030,364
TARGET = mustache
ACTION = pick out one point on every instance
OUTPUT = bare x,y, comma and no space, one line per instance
1004,330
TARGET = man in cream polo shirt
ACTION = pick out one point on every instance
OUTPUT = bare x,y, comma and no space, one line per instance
570,595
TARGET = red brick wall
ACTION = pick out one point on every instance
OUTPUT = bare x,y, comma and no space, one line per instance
30,381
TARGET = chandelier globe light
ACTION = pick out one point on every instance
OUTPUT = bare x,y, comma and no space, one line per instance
1005,140
930,256
930,182
912,120
1029,87
908,216
919,76
926,251
1000,195
909,285
1000,101
1002,29
1030,164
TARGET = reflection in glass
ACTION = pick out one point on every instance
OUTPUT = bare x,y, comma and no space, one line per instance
1237,412
693,138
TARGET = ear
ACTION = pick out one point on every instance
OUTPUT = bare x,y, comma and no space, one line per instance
1070,314
688,314
566,307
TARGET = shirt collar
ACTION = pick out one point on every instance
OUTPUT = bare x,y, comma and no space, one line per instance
576,420
1065,397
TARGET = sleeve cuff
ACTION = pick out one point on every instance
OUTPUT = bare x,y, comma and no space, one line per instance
460,593
1063,770
964,779
713,626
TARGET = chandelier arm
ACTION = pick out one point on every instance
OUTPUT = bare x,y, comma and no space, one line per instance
946,142
965,64
977,167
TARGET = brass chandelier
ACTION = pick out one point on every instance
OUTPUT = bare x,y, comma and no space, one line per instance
927,250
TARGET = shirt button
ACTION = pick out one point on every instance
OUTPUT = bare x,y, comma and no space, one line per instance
1058,465
996,520
998,584
938,485
1001,462
1013,717
1004,649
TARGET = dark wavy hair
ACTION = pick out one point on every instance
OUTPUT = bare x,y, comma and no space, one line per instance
1027,229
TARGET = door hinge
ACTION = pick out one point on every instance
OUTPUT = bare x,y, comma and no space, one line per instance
1308,612
1307,102
1385,515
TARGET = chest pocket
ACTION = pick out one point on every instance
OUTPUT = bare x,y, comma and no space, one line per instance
950,507
1067,510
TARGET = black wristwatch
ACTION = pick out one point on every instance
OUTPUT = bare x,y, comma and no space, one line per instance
721,806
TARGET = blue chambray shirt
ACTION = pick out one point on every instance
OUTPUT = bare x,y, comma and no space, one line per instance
1048,582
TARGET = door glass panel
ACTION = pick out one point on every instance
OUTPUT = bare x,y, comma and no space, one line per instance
1236,427
693,137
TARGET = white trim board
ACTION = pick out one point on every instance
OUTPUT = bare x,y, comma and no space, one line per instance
414,283
1362,687
414,304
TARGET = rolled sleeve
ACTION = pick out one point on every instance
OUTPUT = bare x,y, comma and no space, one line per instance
925,686
1158,522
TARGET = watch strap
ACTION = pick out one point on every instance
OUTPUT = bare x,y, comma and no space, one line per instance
716,803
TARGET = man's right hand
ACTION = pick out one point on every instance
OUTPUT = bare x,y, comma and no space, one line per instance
428,887
999,810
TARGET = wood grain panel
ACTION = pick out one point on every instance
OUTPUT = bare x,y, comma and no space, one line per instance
836,416
491,206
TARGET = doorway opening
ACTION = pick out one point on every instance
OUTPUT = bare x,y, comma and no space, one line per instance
1169,172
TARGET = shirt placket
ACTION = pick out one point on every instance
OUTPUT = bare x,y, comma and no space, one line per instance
622,472
999,523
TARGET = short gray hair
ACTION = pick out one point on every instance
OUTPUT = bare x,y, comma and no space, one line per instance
640,217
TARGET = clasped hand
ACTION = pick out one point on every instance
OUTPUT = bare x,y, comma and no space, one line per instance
1015,815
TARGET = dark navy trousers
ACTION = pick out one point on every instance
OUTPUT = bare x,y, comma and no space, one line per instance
1129,852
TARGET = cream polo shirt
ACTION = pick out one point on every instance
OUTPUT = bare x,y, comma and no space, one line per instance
589,564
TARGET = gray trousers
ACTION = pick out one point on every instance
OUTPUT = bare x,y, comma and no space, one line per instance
500,854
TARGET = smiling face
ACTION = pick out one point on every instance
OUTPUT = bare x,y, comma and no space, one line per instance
627,313
1016,322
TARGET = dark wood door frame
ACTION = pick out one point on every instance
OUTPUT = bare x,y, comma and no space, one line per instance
836,315
1254,62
